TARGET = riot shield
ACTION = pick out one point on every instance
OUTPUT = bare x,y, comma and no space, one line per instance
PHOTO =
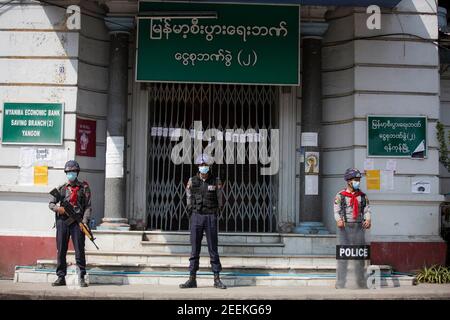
352,256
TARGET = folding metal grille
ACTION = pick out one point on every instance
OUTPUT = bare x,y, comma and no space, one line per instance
250,198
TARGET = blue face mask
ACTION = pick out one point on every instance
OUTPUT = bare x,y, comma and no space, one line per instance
355,185
203,169
71,176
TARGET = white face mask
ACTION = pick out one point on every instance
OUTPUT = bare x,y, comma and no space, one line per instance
355,185
203,169
71,176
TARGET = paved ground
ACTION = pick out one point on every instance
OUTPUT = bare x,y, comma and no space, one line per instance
11,290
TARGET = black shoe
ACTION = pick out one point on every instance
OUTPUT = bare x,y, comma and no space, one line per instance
191,283
217,283
61,281
82,283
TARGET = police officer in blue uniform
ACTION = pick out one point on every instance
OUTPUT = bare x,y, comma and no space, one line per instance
204,201
353,217
78,194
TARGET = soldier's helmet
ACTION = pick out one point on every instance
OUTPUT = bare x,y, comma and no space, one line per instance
202,159
352,173
71,165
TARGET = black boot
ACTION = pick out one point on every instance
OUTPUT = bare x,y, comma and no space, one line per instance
191,283
82,282
217,283
61,281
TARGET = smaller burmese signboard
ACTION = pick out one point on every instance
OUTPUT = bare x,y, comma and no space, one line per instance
397,136
32,123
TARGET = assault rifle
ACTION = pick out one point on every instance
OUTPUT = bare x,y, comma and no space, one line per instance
73,216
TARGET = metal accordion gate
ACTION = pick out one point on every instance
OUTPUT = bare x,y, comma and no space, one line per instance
250,198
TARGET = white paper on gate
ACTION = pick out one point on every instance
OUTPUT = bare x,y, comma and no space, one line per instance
309,139
369,164
171,132
311,184
165,132
387,180
175,134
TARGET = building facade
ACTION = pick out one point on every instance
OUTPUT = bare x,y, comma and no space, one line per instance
348,72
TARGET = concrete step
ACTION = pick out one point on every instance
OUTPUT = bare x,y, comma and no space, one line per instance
323,266
224,247
36,275
235,237
240,243
286,261
236,268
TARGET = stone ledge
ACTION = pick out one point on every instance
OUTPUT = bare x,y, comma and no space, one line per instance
416,198
204,243
204,254
25,189
394,238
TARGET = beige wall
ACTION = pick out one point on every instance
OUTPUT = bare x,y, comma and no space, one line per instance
394,76
43,61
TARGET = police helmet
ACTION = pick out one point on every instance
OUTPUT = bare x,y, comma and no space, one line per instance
71,165
351,174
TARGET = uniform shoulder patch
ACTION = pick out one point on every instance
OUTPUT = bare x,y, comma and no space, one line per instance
337,199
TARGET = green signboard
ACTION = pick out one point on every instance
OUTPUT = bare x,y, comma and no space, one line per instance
218,43
32,123
397,136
